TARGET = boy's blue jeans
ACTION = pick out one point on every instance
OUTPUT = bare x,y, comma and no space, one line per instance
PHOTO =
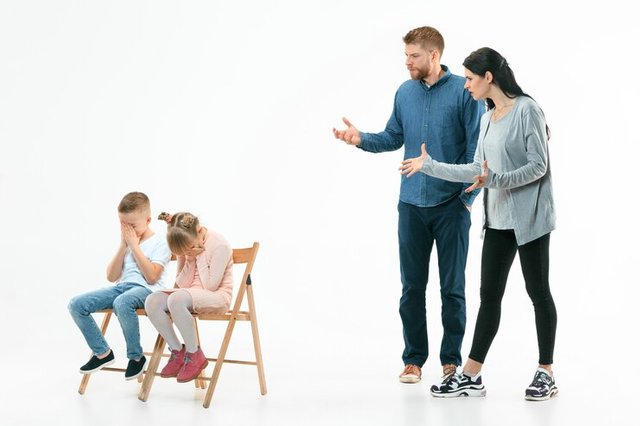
124,299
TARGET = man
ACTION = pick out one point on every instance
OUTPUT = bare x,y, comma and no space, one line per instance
432,108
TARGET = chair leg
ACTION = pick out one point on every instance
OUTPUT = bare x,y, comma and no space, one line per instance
199,381
219,362
85,377
256,341
150,374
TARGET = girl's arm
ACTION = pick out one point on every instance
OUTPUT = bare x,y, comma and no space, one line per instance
180,264
212,265
185,272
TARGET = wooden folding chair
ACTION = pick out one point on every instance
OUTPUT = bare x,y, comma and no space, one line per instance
103,328
245,256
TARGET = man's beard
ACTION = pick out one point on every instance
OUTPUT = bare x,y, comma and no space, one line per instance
417,74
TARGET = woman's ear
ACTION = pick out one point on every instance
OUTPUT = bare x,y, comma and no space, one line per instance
488,76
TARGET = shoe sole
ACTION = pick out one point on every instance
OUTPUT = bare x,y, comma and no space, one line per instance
194,377
552,393
135,376
410,379
97,368
461,392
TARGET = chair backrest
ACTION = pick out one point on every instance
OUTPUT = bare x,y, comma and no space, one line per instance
246,256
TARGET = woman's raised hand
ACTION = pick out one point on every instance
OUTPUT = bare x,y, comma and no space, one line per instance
410,166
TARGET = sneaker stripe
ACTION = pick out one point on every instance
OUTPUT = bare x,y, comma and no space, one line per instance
98,367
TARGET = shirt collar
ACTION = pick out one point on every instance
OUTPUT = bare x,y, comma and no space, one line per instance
441,80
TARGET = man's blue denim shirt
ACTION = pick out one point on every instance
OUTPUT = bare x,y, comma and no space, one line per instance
447,119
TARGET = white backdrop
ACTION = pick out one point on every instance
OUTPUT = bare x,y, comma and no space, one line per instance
226,110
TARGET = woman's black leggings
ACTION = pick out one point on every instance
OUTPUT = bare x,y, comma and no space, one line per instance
498,252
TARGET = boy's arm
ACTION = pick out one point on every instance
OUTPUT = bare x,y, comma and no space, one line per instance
114,269
150,271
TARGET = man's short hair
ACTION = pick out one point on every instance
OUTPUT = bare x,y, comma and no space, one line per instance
427,37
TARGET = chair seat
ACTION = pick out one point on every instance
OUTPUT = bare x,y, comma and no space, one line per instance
140,311
240,316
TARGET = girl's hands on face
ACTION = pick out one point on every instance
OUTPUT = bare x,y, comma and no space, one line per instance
194,251
198,244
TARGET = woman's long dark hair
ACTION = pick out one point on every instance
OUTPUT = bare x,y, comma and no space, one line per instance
486,59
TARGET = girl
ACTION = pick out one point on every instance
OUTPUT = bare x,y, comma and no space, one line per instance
512,162
204,284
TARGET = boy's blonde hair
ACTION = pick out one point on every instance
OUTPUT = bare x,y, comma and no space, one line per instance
182,229
134,201
427,37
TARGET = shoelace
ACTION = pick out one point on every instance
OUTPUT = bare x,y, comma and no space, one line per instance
187,360
454,378
448,372
540,380
411,370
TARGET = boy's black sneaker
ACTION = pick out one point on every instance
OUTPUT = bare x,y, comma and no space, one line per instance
459,384
542,387
135,368
96,363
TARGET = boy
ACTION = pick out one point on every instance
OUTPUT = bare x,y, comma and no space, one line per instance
138,268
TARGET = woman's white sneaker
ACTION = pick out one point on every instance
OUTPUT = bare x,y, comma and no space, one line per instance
459,384
542,387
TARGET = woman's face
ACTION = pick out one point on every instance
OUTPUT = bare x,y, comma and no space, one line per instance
477,85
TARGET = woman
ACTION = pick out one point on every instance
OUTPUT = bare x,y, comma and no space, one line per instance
512,163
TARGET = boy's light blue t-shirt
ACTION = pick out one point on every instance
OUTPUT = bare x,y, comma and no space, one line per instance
156,249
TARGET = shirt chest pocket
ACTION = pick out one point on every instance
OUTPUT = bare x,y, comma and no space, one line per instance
447,118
